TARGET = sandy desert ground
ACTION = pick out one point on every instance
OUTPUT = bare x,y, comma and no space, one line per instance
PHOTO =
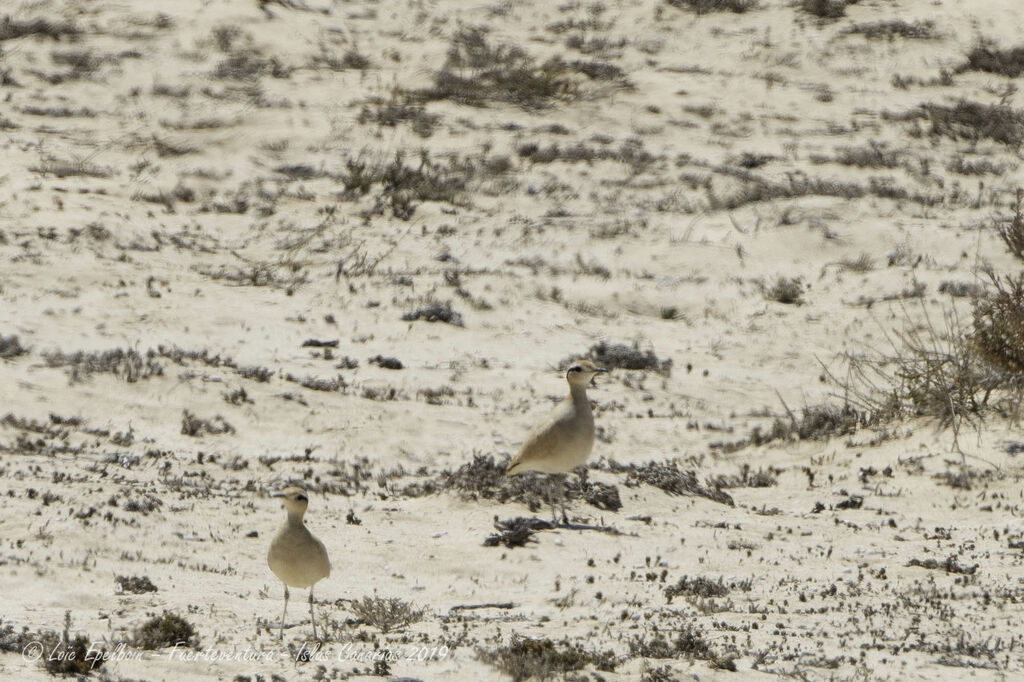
354,244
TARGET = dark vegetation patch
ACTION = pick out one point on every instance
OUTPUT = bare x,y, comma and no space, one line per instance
874,155
194,426
485,479
890,29
10,347
826,9
165,630
973,121
964,166
67,168
516,532
708,6
399,109
386,613
594,493
688,643
704,588
401,184
621,356
985,56
134,584
816,422
1011,231
524,658
998,332
18,28
788,290
669,477
435,312
753,189
949,565
385,362
477,71
351,60
335,384
60,653
126,364
630,152
249,66
747,478
952,373
255,372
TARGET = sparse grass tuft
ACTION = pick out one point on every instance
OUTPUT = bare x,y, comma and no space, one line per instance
524,658
386,614
165,630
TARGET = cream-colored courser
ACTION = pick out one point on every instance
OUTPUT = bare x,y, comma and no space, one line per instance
296,556
563,440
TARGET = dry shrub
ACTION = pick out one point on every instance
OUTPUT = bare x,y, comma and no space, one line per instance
1012,231
998,335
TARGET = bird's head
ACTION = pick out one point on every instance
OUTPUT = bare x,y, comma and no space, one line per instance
581,372
294,499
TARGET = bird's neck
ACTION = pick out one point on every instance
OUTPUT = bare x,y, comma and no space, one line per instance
578,393
295,519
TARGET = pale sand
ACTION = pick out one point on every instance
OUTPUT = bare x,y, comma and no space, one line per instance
706,90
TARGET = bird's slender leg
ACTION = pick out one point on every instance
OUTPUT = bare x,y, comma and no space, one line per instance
552,478
311,618
280,634
561,497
